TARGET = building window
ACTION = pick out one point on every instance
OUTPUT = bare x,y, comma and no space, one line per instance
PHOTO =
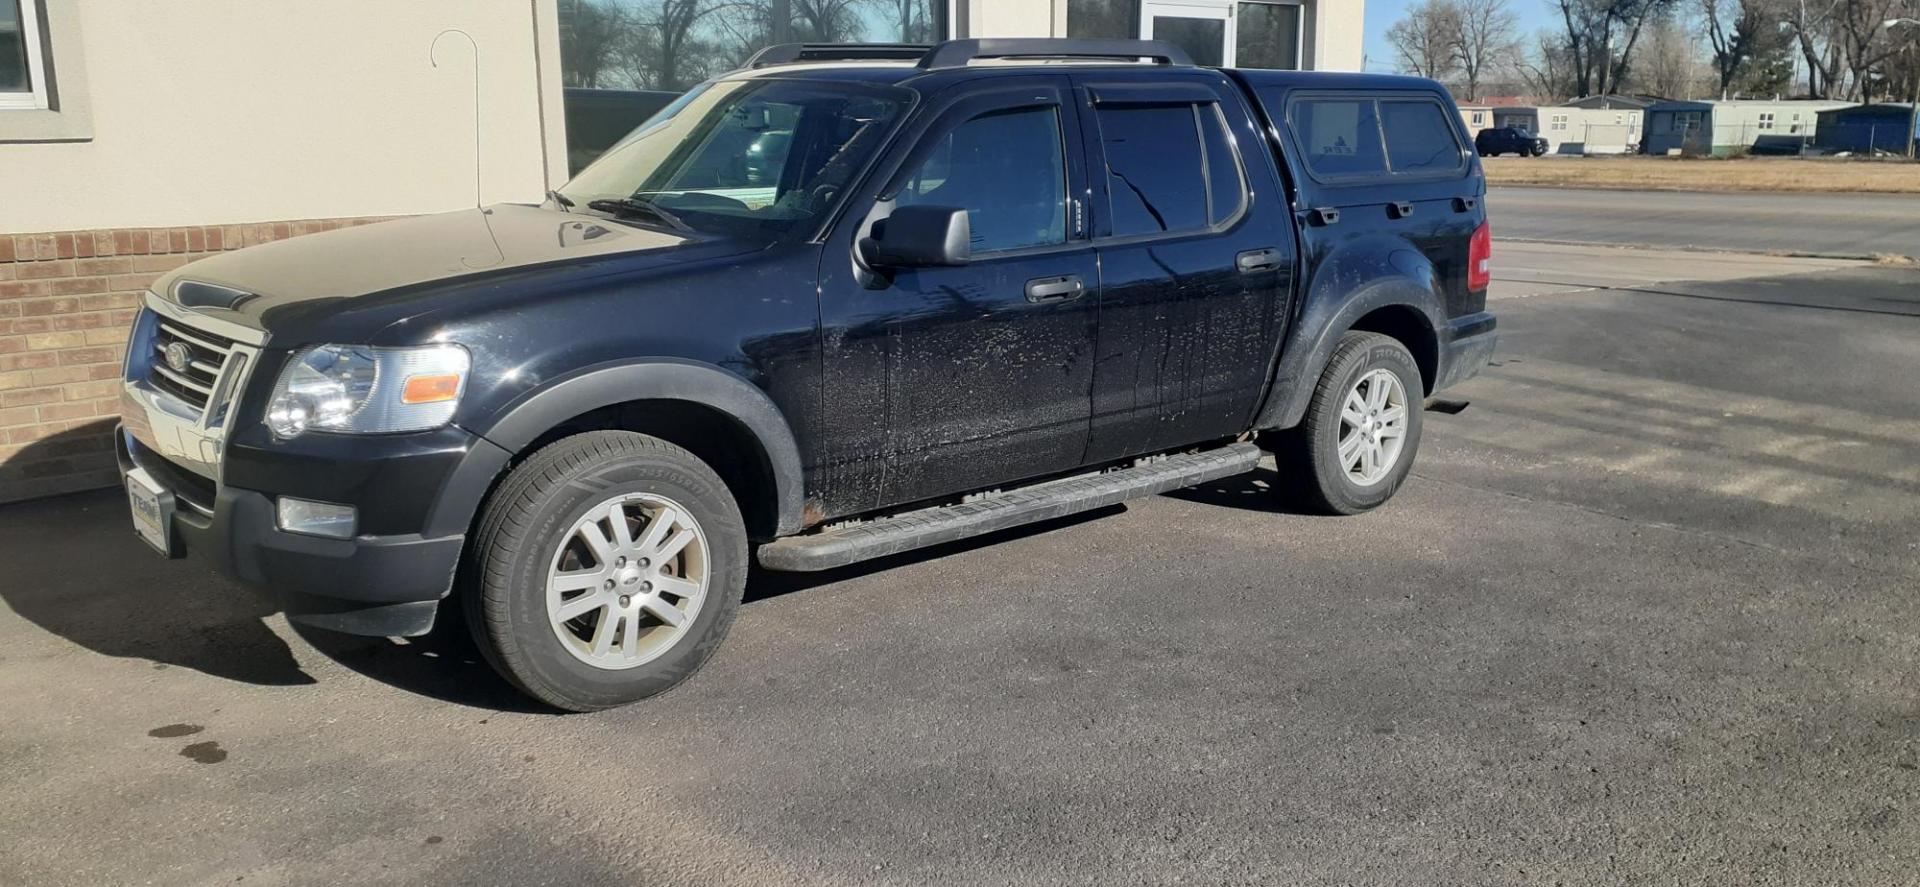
1236,33
674,44
23,64
1268,36
1103,19
1766,121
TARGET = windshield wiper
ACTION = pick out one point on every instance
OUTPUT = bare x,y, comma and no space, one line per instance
629,206
559,198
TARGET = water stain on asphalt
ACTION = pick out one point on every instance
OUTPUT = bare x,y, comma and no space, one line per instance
204,753
172,731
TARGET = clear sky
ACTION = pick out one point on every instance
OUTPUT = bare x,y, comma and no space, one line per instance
1381,14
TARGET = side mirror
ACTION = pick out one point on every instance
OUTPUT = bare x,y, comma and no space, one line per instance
920,237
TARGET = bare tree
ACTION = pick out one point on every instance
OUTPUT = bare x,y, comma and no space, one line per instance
1864,43
1733,29
1600,37
1813,23
1425,37
590,33
1483,36
827,21
1670,62
1547,72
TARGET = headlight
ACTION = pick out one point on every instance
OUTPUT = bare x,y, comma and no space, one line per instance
359,390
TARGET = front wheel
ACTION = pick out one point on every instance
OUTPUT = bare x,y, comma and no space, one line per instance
1357,442
607,568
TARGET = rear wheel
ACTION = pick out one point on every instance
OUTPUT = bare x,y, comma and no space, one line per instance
1357,442
607,569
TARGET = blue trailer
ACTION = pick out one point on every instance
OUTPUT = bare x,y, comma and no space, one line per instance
1866,129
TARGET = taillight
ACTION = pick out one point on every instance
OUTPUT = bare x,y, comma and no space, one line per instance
1480,258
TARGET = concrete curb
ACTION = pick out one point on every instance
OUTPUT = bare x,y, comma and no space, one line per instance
1686,248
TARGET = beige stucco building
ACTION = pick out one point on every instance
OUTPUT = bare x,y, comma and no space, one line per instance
137,136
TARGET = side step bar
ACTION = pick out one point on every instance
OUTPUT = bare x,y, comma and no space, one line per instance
1044,501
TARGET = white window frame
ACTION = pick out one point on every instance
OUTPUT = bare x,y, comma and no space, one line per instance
1766,120
38,97
1229,12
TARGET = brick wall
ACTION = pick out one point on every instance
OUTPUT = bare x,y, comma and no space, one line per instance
67,300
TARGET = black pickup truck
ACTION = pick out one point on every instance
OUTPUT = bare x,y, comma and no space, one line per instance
846,302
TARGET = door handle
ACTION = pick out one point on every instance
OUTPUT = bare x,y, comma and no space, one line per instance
1463,204
1400,209
1064,288
1254,261
1324,215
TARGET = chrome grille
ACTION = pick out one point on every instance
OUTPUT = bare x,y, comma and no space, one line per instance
207,353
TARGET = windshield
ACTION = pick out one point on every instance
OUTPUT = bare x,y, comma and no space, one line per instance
752,158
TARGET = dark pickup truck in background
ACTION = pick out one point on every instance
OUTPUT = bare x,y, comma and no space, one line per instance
845,302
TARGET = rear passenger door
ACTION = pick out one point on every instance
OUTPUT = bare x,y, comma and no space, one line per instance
1386,163
1194,273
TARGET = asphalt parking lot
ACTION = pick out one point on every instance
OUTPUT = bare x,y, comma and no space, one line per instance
1644,614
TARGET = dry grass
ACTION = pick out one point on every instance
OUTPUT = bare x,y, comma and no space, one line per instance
1702,174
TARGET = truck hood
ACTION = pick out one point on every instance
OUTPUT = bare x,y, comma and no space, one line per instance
270,286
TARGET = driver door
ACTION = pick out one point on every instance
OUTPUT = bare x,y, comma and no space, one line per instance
942,380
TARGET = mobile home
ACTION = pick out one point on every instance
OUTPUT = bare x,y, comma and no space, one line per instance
1571,130
1735,126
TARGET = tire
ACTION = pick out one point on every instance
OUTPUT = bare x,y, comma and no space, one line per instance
1313,477
532,547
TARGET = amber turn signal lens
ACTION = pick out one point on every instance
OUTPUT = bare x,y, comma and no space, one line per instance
430,389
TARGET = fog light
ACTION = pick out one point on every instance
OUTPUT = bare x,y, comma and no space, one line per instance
316,518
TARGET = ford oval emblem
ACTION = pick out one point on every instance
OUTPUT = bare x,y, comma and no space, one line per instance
179,356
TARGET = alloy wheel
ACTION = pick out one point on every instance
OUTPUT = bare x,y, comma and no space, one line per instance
627,582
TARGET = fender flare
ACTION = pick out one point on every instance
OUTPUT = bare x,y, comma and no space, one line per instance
527,418
1328,315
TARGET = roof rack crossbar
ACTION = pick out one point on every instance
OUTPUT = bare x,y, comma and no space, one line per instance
786,53
957,53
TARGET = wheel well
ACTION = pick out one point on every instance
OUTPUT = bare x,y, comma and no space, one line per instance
714,437
1410,328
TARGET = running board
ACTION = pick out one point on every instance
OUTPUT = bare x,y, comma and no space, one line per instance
853,543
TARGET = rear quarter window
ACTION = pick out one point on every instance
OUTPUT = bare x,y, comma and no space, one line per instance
1352,137
1420,138
1339,138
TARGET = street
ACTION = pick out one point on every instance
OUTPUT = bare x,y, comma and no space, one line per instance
1837,224
1643,614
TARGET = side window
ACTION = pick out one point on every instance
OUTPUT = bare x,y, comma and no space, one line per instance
1340,137
1006,169
1170,168
1155,175
1419,139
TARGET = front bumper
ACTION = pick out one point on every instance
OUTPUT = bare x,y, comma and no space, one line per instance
1466,346
383,585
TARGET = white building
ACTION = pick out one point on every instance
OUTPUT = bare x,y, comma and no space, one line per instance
136,135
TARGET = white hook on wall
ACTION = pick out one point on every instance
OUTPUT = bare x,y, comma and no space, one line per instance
433,50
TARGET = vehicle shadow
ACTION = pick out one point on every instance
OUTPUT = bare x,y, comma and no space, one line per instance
74,568
1254,491
444,664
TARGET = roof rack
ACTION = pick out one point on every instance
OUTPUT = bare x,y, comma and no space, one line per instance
786,53
957,53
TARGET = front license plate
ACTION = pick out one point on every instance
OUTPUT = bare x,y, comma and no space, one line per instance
152,510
